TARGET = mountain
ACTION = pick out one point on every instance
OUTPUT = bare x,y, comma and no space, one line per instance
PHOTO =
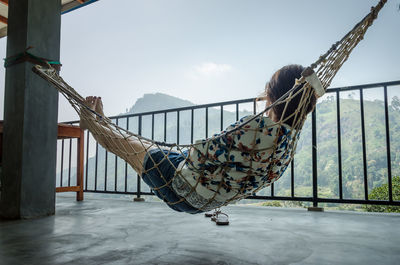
157,101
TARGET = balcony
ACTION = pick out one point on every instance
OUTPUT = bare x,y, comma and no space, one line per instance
109,228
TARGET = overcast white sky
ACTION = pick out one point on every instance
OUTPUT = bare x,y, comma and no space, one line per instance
209,51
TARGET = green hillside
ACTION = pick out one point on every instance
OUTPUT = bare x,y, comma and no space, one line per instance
352,159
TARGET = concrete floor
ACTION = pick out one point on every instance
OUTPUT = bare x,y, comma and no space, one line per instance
116,231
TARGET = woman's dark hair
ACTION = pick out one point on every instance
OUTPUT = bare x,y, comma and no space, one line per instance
281,82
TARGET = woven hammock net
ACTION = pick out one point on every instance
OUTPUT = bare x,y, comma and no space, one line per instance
133,147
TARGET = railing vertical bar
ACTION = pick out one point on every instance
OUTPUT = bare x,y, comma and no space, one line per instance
237,111
126,164
95,168
292,178
165,126
254,107
339,143
206,122
62,162
116,166
152,126
364,148
272,190
222,118
87,160
69,162
138,179
105,170
314,158
177,126
191,125
388,150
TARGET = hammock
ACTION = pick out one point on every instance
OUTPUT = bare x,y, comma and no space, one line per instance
215,186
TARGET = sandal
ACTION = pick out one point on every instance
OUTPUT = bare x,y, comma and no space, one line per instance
212,214
209,214
221,219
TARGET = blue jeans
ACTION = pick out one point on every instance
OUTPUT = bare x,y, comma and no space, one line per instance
155,180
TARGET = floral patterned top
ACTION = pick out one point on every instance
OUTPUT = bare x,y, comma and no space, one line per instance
232,165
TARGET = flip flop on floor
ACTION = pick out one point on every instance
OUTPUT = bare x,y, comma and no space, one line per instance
209,214
212,213
214,216
221,219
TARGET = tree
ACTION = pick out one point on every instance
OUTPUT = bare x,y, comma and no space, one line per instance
382,193
396,103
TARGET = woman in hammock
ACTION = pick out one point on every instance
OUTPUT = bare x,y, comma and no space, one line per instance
228,166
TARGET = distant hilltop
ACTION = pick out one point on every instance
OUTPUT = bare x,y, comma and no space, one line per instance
158,101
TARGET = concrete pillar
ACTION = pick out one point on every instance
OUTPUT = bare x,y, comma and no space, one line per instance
30,113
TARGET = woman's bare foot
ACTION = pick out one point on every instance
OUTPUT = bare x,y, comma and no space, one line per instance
95,104
99,107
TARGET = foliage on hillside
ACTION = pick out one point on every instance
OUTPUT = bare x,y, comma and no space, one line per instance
351,150
381,193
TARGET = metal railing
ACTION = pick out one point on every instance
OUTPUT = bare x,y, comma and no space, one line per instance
114,181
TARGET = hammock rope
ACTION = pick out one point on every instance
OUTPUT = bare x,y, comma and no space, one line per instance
133,147
28,56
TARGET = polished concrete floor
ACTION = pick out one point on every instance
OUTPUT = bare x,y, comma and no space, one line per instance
118,231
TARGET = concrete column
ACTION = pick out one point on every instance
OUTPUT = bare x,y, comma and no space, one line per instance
30,113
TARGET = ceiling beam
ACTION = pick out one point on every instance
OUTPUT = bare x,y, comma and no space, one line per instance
3,20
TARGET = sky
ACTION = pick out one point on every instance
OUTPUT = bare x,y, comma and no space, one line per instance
211,51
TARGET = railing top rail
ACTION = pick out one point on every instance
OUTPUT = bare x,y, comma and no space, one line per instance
365,86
